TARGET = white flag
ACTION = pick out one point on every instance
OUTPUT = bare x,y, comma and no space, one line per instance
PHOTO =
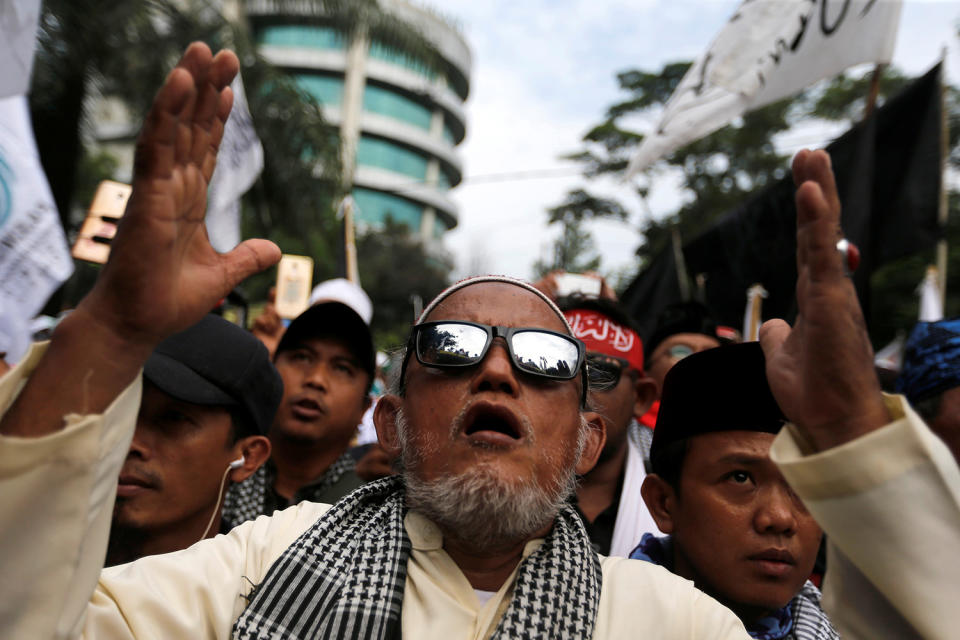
931,305
239,163
34,258
18,36
769,50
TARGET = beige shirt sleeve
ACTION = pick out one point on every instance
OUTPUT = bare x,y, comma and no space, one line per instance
196,593
56,501
889,503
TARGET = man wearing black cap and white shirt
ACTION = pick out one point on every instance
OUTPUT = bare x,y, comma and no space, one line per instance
734,525
209,395
326,359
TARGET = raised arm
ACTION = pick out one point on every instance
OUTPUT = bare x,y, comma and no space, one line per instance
821,370
163,275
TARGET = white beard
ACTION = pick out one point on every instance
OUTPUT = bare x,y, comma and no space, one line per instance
480,507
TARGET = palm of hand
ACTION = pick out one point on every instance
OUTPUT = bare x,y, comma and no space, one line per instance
163,274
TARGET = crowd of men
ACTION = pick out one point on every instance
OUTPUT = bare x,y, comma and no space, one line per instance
547,475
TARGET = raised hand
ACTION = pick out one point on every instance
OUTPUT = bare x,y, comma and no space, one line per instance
163,275
821,371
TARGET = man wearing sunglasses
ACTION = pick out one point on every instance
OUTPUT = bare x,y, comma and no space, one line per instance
608,497
504,425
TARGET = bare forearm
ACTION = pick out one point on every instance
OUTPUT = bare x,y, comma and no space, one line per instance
85,368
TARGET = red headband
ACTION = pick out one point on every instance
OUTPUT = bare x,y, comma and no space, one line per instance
603,335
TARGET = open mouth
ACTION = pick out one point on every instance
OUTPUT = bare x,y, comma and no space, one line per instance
307,408
489,420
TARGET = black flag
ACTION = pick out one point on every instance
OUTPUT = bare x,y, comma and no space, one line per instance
888,176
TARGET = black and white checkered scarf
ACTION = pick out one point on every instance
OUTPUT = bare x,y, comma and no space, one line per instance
809,620
247,500
344,578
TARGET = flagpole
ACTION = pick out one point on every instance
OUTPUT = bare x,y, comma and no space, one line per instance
350,242
681,264
874,89
943,209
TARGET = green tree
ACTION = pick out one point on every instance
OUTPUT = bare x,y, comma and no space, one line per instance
575,250
394,267
718,171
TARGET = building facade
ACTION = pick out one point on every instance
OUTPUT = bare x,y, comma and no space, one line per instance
400,122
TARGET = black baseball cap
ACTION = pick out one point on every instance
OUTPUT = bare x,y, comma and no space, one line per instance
336,320
215,362
721,389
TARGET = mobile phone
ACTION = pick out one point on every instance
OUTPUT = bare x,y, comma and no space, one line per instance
571,283
100,225
294,278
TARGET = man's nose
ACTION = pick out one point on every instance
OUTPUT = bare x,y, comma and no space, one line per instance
777,512
140,445
316,376
495,372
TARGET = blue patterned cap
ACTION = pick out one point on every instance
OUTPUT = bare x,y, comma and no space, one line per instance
931,360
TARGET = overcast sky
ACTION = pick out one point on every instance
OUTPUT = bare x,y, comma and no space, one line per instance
543,74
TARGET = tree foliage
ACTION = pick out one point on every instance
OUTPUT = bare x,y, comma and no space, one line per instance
394,267
724,168
124,50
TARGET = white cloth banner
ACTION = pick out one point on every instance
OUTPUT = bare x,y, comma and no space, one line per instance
769,50
239,163
18,36
633,516
34,257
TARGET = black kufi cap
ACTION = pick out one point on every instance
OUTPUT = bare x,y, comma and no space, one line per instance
722,389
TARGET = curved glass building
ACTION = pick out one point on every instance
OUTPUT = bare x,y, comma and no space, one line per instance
400,121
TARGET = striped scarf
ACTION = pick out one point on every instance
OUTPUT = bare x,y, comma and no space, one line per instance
344,578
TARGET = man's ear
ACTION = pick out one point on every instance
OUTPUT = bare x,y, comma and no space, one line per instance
385,420
646,391
596,439
661,501
255,451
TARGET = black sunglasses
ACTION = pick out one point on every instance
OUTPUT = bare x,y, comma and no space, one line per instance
453,344
604,371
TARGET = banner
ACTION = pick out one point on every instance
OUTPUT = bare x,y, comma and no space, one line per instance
239,163
34,258
18,36
768,50
888,176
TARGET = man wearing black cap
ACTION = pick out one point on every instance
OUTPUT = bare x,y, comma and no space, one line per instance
326,359
734,525
209,395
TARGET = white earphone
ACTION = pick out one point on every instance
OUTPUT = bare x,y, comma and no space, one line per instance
236,464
